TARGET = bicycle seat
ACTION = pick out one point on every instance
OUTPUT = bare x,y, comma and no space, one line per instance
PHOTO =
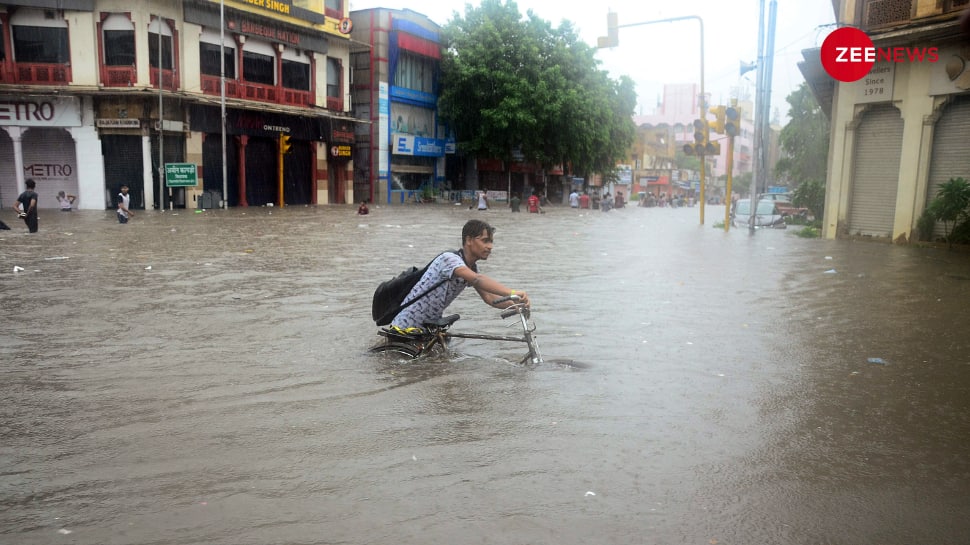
444,321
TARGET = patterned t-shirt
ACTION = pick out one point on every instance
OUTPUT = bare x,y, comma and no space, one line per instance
432,306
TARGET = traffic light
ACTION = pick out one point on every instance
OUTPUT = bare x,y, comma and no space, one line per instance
700,131
612,38
712,148
718,124
732,121
285,144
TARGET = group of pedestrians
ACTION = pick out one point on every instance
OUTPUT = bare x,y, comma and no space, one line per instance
26,205
515,203
605,203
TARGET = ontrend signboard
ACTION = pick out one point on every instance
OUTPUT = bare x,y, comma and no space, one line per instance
181,175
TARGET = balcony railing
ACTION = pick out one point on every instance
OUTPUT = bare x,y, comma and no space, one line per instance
170,78
118,76
335,104
42,74
887,14
257,91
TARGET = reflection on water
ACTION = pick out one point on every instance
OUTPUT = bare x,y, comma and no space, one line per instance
203,378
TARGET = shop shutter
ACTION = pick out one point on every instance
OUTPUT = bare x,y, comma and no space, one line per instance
8,173
123,165
875,176
51,160
951,152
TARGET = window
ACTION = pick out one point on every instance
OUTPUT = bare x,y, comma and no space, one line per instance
333,77
258,68
334,8
118,37
415,72
41,44
166,53
119,47
296,75
209,60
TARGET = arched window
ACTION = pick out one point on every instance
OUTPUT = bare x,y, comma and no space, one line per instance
40,36
259,62
296,69
118,40
167,53
209,54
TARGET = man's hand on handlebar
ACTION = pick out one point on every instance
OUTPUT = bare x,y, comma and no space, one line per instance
517,298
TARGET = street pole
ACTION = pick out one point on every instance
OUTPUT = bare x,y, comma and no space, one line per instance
758,129
161,138
703,98
222,97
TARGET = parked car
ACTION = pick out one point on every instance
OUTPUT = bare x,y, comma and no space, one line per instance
767,215
784,202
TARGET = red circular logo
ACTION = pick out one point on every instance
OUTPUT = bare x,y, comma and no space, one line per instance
848,54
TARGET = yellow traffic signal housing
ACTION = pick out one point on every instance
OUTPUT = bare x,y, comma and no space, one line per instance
285,144
718,124
712,148
732,121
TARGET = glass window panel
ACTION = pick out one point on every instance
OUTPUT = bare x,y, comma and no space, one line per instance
209,60
333,78
166,51
259,68
119,47
414,72
296,75
41,44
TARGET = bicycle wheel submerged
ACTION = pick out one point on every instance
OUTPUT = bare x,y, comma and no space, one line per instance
396,348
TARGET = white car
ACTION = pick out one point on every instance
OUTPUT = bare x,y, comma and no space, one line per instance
767,215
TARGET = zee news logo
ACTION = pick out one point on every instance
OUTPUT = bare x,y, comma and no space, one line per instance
848,54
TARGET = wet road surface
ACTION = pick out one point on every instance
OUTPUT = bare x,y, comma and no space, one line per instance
203,378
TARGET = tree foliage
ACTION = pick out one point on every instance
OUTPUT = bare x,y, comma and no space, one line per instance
804,140
510,83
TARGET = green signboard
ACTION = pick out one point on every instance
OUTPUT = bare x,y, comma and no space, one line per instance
181,175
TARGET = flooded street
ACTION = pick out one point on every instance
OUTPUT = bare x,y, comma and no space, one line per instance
202,378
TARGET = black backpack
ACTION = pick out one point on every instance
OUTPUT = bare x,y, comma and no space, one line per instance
389,295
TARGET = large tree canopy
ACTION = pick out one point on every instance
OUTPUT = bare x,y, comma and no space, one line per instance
510,84
804,140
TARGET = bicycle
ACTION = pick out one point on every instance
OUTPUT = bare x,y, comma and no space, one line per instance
435,335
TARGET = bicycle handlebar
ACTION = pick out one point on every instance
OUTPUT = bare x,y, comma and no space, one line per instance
515,298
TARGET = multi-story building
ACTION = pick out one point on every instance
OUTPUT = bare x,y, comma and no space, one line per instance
94,94
902,131
675,117
401,149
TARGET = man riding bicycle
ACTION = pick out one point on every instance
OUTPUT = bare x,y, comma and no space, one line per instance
455,271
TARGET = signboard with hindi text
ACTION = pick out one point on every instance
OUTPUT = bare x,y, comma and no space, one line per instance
181,175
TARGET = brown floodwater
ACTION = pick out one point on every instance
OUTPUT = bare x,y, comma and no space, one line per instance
203,378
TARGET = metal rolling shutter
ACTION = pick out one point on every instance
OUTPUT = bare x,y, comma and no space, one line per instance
51,160
951,151
875,175
8,173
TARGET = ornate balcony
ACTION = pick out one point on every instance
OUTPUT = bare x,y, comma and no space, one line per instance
888,14
118,76
42,74
170,78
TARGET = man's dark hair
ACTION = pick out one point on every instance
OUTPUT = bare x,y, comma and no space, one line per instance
30,183
474,228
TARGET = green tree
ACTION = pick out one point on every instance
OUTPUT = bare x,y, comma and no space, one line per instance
510,83
805,145
952,207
